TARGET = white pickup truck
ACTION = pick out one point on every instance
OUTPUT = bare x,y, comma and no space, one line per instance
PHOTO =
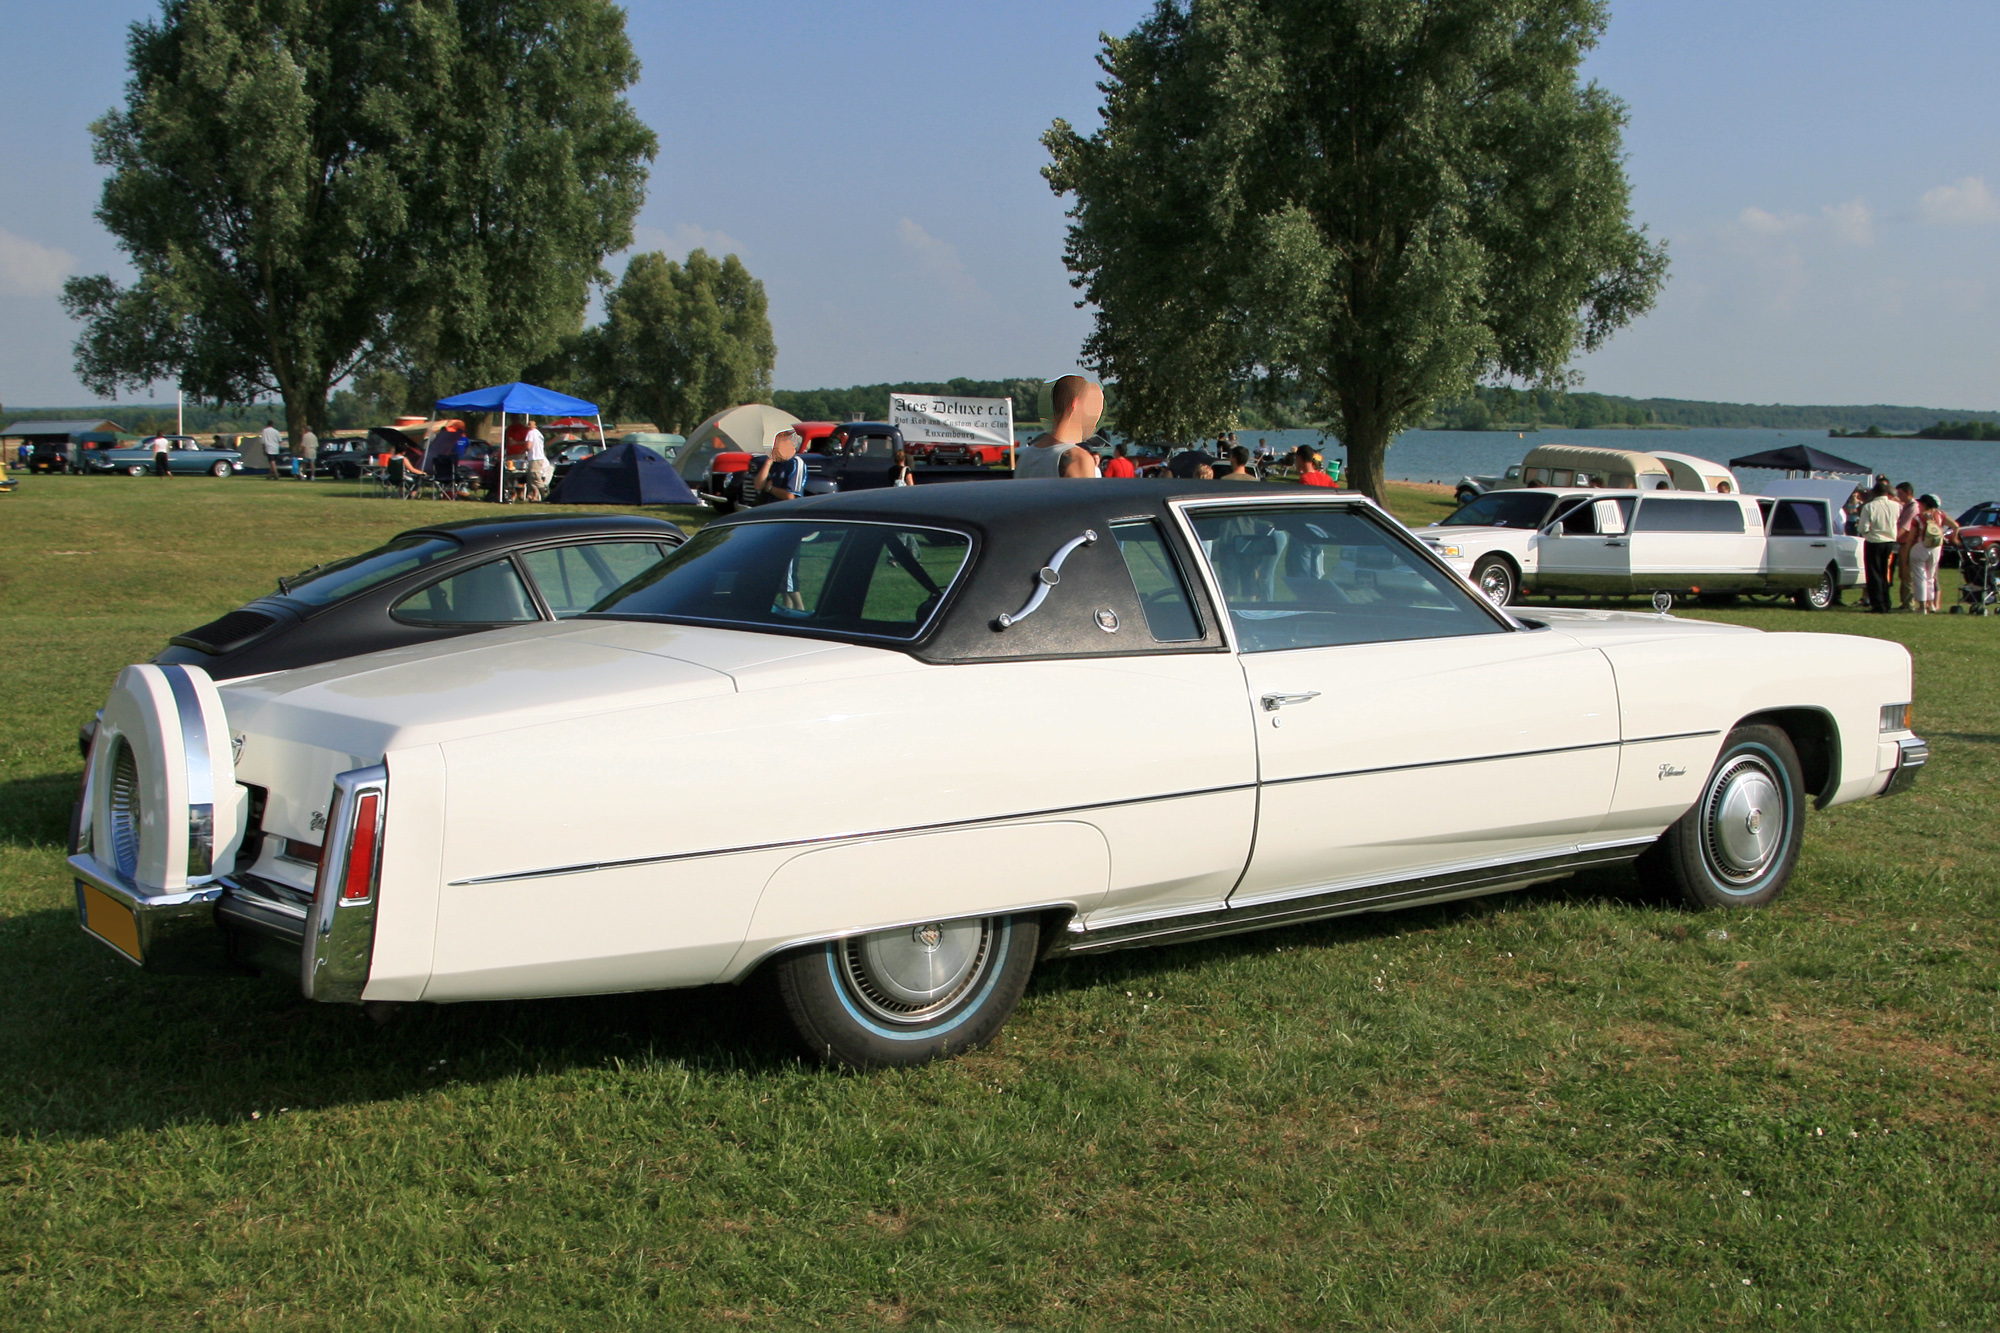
1620,542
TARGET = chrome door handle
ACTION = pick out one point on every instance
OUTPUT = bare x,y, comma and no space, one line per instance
1273,702
1819,545
1614,543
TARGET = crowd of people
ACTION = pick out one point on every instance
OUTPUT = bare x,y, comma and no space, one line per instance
1064,450
1903,535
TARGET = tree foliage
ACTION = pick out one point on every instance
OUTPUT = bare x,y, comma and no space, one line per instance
310,187
1383,201
681,342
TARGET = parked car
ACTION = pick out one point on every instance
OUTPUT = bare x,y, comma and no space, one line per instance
614,801
47,455
429,583
849,456
1618,542
1978,527
1588,465
186,456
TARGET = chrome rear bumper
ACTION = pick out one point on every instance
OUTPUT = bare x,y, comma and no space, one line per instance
161,932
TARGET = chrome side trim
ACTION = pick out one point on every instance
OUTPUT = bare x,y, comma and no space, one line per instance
1320,904
589,867
340,934
1912,753
200,776
174,932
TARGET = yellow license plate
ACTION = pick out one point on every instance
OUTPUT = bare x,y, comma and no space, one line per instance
110,920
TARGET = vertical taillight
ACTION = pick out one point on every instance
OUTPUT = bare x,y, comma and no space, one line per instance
363,848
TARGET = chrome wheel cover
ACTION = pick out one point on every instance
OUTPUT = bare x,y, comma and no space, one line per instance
1744,819
1496,583
912,974
126,815
1821,593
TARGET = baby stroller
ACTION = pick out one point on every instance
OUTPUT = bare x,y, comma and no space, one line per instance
1979,568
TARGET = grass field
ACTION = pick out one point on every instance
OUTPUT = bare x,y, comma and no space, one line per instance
1561,1109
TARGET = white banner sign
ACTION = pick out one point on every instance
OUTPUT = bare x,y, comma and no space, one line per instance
928,419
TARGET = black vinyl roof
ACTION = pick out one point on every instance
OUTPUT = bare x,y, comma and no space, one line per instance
1017,527
529,528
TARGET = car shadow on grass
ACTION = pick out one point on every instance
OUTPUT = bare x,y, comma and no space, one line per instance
34,812
98,1047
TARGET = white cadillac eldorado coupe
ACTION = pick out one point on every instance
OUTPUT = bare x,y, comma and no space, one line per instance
993,724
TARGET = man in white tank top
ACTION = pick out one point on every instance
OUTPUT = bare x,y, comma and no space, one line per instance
1059,452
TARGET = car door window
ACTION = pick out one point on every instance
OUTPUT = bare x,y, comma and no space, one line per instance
1305,577
488,594
1676,515
1798,518
572,579
1156,577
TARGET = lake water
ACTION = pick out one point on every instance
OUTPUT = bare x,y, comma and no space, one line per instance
1959,472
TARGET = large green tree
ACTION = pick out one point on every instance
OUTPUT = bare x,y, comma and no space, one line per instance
1383,201
307,188
681,342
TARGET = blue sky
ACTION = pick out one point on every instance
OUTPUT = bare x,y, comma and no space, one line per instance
1826,174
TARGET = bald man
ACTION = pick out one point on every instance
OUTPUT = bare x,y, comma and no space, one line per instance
1059,452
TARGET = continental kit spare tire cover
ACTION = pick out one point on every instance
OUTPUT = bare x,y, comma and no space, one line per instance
163,805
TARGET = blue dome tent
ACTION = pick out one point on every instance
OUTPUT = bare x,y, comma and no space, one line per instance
624,474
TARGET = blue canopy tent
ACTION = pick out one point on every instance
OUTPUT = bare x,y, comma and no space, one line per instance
526,400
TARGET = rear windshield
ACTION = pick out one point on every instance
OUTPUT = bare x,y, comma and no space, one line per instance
868,580
324,585
1503,509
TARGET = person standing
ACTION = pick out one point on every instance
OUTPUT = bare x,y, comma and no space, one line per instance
1934,529
1239,465
1877,531
1059,451
540,470
274,445
782,475
308,456
1906,540
1119,466
162,453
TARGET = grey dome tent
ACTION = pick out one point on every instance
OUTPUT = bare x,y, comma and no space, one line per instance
624,474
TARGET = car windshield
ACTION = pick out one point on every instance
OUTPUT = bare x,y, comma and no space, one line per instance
1503,509
868,580
325,584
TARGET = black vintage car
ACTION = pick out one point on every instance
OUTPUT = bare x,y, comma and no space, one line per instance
428,583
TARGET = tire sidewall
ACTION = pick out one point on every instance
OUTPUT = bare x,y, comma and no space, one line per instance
1502,564
1697,879
834,1029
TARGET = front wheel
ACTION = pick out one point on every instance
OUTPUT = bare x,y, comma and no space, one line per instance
910,995
1495,577
1738,843
1821,595
1465,497
220,469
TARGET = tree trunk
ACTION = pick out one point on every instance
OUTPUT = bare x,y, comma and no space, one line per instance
1366,433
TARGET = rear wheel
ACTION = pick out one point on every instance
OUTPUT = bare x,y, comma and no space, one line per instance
134,470
1737,845
909,995
1497,578
1822,594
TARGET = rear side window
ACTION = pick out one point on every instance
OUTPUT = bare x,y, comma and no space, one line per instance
1798,518
488,594
1156,577
572,579
871,580
1661,514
